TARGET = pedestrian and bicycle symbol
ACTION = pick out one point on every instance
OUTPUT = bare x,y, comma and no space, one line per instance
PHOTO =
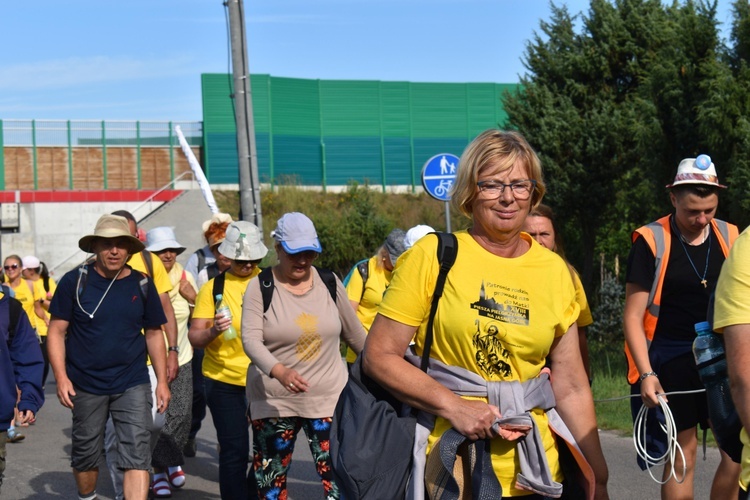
438,175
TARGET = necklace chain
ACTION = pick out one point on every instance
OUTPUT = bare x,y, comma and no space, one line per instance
708,254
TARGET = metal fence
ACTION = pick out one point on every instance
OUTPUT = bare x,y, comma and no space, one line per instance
92,154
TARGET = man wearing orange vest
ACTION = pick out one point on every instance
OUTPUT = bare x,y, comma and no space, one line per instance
673,267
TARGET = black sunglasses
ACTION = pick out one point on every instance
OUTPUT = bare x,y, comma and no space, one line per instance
12,266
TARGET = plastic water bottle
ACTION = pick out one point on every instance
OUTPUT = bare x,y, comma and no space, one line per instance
223,309
708,350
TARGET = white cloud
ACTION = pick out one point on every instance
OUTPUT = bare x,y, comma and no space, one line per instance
81,71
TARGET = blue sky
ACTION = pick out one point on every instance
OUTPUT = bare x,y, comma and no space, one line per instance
142,59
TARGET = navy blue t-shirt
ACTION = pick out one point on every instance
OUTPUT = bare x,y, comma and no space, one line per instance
106,354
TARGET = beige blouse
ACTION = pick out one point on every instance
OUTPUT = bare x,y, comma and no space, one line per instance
302,332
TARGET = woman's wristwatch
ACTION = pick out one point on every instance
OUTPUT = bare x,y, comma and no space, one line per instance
174,348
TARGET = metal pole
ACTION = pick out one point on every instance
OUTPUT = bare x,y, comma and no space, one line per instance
447,216
243,106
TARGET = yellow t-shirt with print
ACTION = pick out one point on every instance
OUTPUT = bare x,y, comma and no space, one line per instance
732,307
225,360
378,278
39,294
497,318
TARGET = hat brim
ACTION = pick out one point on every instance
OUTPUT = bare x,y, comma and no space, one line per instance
166,245
257,252
87,242
301,246
695,182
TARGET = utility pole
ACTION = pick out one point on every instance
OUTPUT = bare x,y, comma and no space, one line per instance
243,111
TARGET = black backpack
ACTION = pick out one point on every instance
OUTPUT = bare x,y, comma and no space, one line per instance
267,284
376,463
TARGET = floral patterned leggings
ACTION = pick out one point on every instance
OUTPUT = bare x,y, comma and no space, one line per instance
273,445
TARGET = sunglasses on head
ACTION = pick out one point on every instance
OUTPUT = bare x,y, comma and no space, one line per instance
11,266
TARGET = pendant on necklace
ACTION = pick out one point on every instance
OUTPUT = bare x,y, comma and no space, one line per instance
704,283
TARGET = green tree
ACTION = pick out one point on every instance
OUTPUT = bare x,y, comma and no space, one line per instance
610,107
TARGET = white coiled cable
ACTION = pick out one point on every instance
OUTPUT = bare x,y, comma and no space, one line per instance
639,436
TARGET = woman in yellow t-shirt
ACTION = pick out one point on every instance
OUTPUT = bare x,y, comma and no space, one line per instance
508,305
540,224
44,288
225,362
365,296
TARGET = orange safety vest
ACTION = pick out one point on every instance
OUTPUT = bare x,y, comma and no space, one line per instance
658,236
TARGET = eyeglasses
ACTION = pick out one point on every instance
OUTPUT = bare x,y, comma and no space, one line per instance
12,266
521,189
246,262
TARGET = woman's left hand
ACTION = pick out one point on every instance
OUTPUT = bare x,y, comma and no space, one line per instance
290,379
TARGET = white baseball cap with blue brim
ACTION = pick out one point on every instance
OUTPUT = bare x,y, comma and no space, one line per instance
296,233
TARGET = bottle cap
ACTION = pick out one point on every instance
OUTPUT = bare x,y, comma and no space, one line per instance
703,328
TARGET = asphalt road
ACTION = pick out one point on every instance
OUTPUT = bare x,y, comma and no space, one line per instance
39,467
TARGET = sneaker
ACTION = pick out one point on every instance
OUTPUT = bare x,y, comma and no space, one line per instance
14,436
190,448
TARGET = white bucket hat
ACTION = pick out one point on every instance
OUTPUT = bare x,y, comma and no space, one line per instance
296,233
415,234
161,238
243,241
111,226
700,170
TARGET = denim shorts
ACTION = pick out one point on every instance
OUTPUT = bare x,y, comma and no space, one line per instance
131,415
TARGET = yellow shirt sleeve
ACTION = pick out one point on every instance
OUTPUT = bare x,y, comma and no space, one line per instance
731,306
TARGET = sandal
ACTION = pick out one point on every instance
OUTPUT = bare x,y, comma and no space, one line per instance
176,477
160,487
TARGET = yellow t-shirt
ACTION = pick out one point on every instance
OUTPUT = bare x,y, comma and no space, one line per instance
39,294
378,279
732,307
25,295
585,318
160,276
497,317
224,360
181,312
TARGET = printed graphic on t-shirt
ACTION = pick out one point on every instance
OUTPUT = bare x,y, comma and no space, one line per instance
491,355
309,343
505,304
500,305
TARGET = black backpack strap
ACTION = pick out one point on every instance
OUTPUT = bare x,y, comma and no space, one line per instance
201,259
446,253
212,270
364,270
266,287
218,288
14,313
329,279
148,260
143,283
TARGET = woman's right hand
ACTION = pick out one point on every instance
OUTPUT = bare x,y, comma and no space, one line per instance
473,418
221,322
290,379
650,387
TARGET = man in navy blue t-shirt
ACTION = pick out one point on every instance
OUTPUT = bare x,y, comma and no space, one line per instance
100,365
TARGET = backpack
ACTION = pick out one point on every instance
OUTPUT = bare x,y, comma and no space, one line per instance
14,313
267,284
357,457
363,266
83,275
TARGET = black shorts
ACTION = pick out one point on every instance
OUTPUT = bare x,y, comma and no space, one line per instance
688,410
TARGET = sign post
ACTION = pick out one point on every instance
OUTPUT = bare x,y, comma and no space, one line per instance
438,175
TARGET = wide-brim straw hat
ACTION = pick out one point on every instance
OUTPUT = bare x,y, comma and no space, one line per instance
111,226
243,241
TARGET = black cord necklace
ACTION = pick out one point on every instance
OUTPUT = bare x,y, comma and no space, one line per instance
708,253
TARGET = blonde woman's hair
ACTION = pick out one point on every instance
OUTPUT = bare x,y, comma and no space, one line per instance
501,149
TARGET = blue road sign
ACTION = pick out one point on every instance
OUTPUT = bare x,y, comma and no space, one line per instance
438,175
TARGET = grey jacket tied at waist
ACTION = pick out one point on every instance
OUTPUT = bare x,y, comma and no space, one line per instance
515,401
